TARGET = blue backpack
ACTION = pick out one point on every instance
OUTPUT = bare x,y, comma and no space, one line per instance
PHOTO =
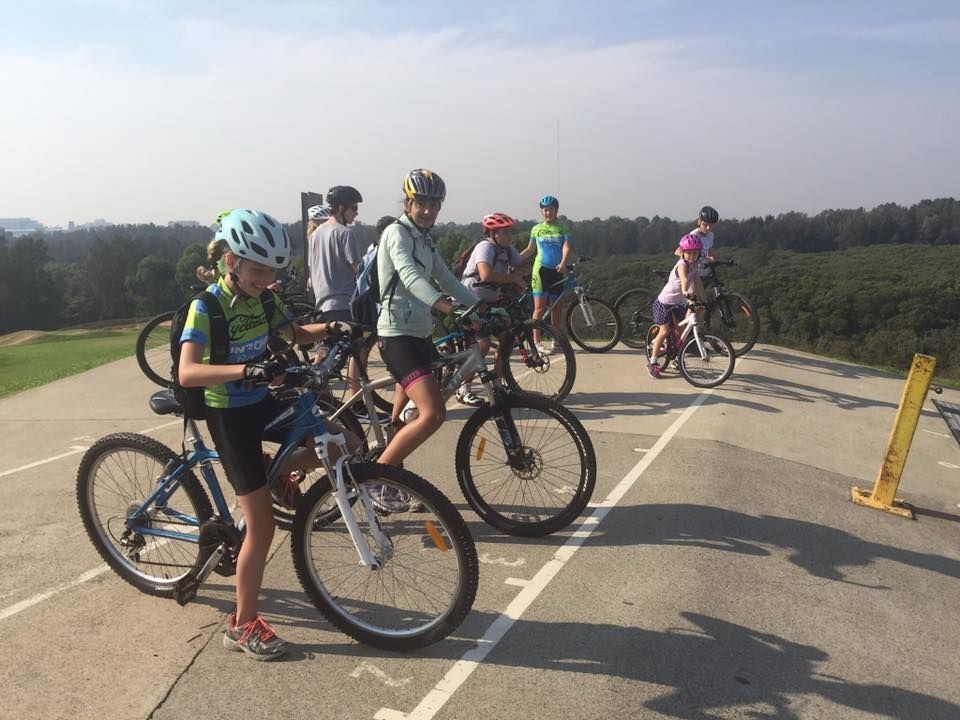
367,297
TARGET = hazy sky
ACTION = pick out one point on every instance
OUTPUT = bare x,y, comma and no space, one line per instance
155,110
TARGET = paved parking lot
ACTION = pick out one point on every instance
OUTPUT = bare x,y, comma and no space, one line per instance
720,572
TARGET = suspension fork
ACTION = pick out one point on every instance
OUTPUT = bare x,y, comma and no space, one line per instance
509,435
341,473
585,306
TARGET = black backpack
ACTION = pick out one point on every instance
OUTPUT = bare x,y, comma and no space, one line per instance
191,398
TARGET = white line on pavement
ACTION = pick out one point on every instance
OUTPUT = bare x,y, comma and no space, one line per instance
74,450
470,661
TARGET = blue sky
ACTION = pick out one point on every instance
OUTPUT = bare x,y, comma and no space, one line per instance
153,110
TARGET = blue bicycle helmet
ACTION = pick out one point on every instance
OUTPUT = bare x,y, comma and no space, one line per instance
548,201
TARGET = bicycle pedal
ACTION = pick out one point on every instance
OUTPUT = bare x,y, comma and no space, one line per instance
227,567
186,588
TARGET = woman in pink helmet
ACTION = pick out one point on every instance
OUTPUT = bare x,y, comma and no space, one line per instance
684,281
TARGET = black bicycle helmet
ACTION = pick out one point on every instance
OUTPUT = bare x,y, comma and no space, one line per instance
343,195
382,224
421,184
709,214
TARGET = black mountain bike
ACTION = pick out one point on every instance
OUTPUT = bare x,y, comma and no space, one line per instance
525,463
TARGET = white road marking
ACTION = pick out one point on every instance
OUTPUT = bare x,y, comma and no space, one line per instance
89,574
485,558
379,674
36,599
74,449
950,465
938,434
470,660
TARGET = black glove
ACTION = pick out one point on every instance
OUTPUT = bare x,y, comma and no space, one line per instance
339,327
263,371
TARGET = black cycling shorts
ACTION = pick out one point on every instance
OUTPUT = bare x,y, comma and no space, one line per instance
238,434
407,358
551,281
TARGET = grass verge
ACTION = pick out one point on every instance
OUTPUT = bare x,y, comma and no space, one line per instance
53,355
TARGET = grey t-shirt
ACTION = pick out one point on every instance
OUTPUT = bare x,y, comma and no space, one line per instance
333,250
499,259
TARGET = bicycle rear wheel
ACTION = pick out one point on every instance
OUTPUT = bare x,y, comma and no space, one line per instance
597,336
634,308
428,576
153,349
116,475
525,369
546,484
732,317
711,368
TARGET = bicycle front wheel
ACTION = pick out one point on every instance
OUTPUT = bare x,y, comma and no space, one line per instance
732,317
710,368
153,350
116,475
635,310
527,370
598,333
427,574
545,480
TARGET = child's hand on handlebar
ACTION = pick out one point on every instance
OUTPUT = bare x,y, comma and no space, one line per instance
264,372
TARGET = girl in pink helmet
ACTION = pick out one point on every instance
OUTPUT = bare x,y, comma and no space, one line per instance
684,281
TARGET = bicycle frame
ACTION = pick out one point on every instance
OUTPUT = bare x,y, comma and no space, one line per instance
690,324
467,362
300,421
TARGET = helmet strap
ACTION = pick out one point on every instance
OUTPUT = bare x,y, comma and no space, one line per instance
238,292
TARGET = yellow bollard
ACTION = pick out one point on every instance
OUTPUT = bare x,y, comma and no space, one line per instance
884,492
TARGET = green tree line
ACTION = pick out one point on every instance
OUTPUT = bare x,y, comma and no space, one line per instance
873,286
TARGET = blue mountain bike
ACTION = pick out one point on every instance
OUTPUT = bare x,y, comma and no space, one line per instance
395,579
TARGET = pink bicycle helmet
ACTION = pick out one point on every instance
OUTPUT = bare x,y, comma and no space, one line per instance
691,242
497,221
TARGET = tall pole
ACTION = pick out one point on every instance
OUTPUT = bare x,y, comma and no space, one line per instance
558,191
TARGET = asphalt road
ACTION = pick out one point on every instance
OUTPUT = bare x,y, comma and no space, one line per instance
720,572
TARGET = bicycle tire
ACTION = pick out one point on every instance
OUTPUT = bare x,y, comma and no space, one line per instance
709,371
634,308
526,370
603,335
115,476
732,317
537,499
428,582
153,349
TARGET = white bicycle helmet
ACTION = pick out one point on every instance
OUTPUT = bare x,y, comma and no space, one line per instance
254,235
318,212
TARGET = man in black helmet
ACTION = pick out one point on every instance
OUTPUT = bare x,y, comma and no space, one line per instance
334,251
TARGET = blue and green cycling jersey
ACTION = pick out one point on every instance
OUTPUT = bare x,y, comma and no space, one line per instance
248,332
549,238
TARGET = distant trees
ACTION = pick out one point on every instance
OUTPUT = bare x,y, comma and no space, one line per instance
871,285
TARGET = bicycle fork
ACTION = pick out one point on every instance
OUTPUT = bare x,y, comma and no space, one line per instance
585,308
